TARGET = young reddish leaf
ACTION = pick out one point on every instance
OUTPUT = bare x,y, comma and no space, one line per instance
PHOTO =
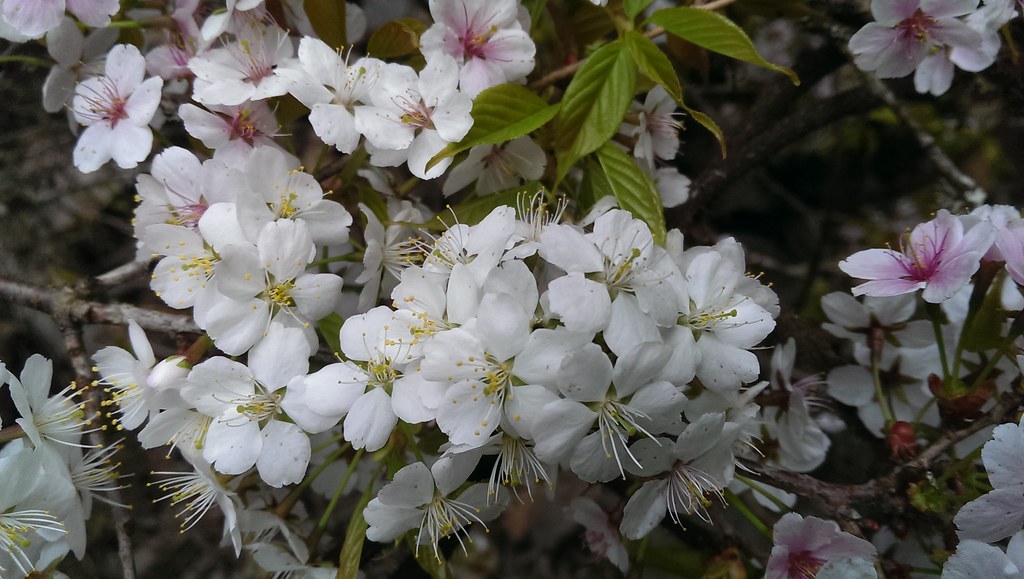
396,38
328,20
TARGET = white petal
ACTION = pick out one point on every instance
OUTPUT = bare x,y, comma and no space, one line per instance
233,443
370,421
645,509
285,454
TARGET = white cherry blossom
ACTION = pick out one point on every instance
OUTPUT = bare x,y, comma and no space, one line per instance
484,37
412,117
245,405
243,70
267,281
116,109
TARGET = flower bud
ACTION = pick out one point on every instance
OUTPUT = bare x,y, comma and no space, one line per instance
168,373
902,440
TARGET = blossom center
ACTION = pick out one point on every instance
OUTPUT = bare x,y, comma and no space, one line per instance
286,207
701,320
916,27
444,517
255,65
617,422
106,105
473,45
244,127
516,465
187,215
258,406
923,257
281,294
198,265
195,492
497,376
804,565
416,114
687,491
382,373
14,526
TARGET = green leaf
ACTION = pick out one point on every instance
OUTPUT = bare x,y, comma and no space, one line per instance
329,327
653,63
594,104
396,38
657,67
709,124
593,186
633,189
375,201
715,33
634,7
589,24
355,535
473,210
501,113
328,20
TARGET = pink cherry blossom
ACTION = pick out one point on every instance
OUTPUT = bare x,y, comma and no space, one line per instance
937,256
910,33
34,18
803,546
484,37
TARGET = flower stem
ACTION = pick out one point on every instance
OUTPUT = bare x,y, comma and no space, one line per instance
410,438
764,493
12,432
877,343
1016,328
747,513
322,524
289,501
25,59
935,315
404,188
982,282
715,4
353,257
970,458
920,413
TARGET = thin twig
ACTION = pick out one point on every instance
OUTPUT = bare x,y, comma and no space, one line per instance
120,275
881,493
714,4
752,153
66,303
76,351
570,69
960,181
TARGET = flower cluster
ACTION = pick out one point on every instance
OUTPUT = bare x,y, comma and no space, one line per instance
49,476
964,266
608,355
916,376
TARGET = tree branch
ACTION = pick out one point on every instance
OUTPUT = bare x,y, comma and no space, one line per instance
754,151
882,493
957,179
75,347
128,272
66,304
